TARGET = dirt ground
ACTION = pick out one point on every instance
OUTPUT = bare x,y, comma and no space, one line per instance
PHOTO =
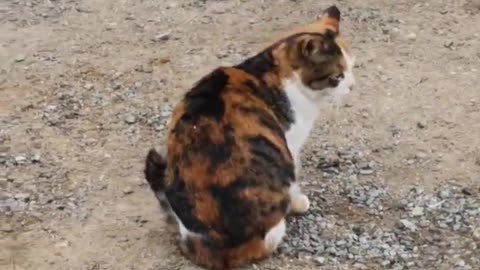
83,84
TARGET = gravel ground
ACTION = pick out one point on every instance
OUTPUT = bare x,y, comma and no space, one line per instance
86,87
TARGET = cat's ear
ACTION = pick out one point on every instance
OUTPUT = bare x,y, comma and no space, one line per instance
319,48
330,16
332,12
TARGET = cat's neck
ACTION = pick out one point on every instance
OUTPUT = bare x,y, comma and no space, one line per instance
305,111
303,106
279,78
268,74
286,97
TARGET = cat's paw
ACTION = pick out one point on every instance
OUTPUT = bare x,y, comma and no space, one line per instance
274,237
299,203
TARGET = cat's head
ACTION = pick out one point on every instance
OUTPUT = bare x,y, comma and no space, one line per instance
320,59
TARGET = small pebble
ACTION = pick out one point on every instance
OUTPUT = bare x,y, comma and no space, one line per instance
405,223
159,127
62,244
421,155
127,191
165,113
467,191
424,223
360,266
319,260
36,157
3,182
20,58
20,159
460,263
130,119
417,211
421,124
162,37
144,68
366,171
444,194
89,86
22,196
476,233
6,228
411,36
116,85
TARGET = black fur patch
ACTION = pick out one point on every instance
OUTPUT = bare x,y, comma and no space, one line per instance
276,100
180,203
218,154
259,65
265,155
205,98
265,120
237,217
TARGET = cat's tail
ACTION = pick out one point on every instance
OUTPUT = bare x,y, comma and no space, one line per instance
202,251
155,166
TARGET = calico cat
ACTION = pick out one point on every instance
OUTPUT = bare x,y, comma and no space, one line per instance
227,174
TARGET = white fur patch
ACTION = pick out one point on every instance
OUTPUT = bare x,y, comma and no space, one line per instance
305,111
184,232
275,236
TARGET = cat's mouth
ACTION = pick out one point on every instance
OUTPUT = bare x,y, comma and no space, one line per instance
334,81
325,82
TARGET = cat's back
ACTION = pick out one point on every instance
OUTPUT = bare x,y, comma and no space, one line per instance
221,123
228,162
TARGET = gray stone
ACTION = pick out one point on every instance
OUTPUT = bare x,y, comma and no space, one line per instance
407,224
165,113
421,155
20,58
6,228
422,124
159,127
444,194
127,191
360,266
89,86
130,119
162,37
22,196
146,68
476,233
36,157
21,159
417,211
366,171
319,260
411,36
